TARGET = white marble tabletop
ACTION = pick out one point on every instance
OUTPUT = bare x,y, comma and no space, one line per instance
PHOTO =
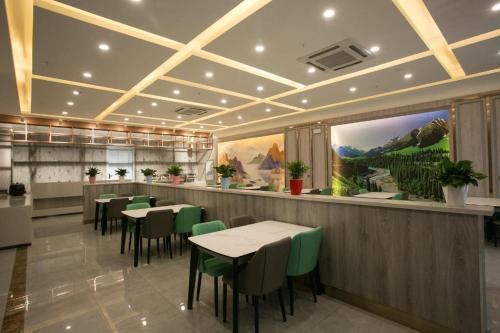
141,213
102,201
376,195
238,242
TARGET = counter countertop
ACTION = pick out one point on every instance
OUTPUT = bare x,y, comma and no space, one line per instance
15,201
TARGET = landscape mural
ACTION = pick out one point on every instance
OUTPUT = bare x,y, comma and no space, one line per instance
391,155
258,161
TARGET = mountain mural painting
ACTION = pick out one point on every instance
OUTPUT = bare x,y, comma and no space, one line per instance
258,161
391,154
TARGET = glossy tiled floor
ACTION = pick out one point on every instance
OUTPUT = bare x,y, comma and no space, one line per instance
78,282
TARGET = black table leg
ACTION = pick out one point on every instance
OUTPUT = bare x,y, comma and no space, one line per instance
137,238
96,218
193,265
236,295
124,234
104,219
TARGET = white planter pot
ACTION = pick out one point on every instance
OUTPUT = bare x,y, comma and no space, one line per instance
455,197
149,179
121,179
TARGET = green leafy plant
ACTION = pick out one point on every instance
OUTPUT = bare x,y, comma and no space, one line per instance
174,170
92,172
225,170
121,172
148,172
456,174
296,169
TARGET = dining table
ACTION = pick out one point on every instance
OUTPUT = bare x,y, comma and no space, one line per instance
237,246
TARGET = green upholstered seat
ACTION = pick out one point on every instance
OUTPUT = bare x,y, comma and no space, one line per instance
186,218
140,198
326,191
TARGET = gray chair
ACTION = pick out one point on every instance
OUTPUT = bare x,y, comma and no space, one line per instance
263,274
163,203
239,221
115,208
159,224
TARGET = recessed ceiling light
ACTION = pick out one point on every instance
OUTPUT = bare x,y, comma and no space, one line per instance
163,123
70,103
136,0
290,127
126,119
239,117
201,126
408,76
260,88
179,117
268,109
352,89
68,327
88,75
259,48
318,122
139,111
176,92
209,74
374,49
311,70
304,101
220,122
64,112
328,13
104,47
496,7
223,101
154,104
76,92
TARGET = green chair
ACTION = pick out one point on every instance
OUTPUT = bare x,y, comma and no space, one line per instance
209,265
140,199
132,221
326,191
398,196
105,196
303,259
185,220
233,186
362,190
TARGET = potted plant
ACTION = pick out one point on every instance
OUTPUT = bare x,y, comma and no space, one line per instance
121,174
92,172
149,174
225,171
455,178
297,170
175,171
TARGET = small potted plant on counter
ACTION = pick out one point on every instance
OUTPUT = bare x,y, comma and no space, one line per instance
297,170
92,172
149,174
121,174
175,171
225,171
455,178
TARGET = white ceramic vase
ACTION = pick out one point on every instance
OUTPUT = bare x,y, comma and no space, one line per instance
455,196
121,179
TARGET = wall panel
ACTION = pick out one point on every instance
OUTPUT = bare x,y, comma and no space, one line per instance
305,153
495,144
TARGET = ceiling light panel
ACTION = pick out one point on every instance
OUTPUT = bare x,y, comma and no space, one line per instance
303,30
249,114
51,99
428,70
161,17
479,57
461,19
65,48
163,88
225,77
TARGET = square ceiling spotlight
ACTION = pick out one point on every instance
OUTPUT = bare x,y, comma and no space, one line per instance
480,57
69,49
256,112
53,99
403,76
302,30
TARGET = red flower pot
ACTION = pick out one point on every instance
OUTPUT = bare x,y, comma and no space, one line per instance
92,179
176,180
295,186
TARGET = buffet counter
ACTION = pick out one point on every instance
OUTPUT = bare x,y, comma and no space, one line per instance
15,221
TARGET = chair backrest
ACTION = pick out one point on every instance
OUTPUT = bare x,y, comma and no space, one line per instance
186,218
206,228
326,191
266,271
116,206
304,252
126,195
162,203
140,198
107,196
315,191
239,221
139,205
159,223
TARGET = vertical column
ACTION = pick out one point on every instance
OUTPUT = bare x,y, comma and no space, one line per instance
319,156
495,144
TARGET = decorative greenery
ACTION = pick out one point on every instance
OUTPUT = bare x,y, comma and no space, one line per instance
148,172
121,172
459,174
174,170
225,170
296,169
92,172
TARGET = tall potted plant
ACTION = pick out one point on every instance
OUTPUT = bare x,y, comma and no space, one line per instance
149,174
92,172
297,170
121,174
455,178
225,171
175,171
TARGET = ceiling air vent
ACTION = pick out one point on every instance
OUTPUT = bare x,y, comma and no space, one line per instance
340,55
190,111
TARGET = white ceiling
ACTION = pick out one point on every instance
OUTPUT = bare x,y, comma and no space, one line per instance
67,34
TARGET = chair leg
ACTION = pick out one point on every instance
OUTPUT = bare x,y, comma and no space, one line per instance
282,304
198,287
129,241
164,244
224,302
495,234
313,286
158,247
255,300
149,249
140,242
111,226
170,246
180,247
246,298
290,290
216,295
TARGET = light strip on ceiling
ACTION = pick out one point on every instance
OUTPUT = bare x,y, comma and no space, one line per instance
161,119
418,16
476,39
181,101
20,22
77,84
233,17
